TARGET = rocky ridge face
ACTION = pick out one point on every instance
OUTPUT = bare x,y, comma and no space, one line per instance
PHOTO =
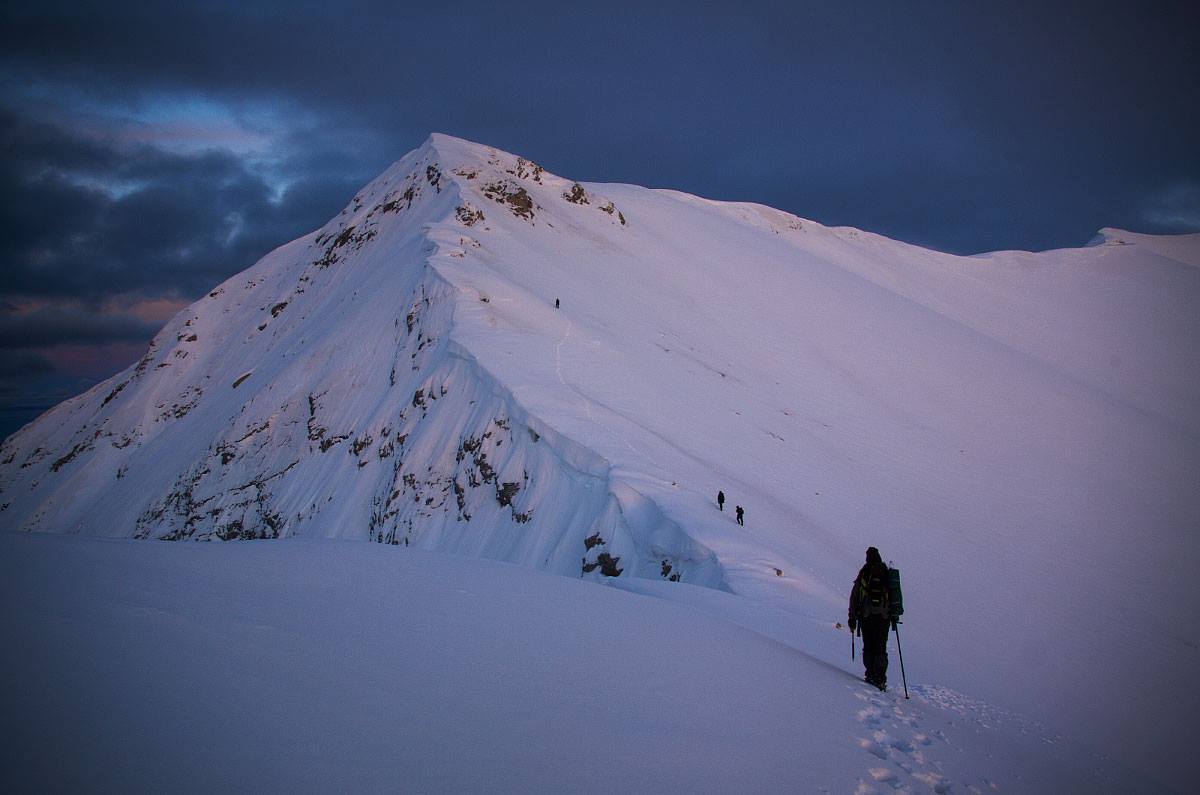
320,393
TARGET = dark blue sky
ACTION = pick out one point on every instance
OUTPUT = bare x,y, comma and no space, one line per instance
151,150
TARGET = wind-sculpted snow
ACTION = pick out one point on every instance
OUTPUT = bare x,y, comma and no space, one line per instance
481,357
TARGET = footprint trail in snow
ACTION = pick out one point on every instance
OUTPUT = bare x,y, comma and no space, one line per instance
898,745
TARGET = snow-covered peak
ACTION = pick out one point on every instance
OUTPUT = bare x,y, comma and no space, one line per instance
451,179
459,152
458,157
478,357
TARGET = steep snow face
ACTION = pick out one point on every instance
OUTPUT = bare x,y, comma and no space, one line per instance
322,393
1017,431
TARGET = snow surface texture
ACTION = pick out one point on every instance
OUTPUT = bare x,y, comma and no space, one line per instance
1018,432
336,667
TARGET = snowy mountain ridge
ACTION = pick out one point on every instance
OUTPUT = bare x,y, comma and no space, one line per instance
250,464
1003,426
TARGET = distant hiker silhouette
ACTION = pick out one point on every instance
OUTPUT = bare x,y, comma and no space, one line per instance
872,610
721,500
556,303
740,513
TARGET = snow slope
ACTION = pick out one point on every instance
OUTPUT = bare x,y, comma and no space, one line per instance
1018,432
317,666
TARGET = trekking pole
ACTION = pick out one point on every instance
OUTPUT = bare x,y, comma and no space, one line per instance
903,678
851,644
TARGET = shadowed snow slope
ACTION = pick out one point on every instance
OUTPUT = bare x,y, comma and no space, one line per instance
1018,432
335,667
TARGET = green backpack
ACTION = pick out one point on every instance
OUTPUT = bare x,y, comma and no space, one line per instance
880,595
873,595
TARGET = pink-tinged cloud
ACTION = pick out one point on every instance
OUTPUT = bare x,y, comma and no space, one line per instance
156,311
82,341
53,325
189,136
93,362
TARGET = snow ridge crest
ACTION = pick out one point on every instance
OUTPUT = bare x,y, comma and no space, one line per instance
322,393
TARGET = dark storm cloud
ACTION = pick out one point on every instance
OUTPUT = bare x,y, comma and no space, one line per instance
89,222
22,363
965,128
62,326
28,386
82,219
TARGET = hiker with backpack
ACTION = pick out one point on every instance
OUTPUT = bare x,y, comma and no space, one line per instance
873,610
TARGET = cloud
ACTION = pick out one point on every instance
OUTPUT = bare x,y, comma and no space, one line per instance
57,325
1176,209
1018,115
90,219
106,230
23,364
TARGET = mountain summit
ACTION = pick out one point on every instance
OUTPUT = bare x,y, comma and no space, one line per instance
329,391
480,357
